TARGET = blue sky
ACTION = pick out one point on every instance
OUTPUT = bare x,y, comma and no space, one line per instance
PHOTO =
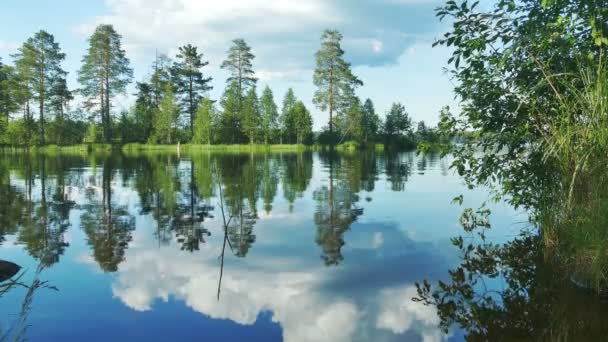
388,42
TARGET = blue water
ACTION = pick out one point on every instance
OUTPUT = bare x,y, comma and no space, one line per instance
335,268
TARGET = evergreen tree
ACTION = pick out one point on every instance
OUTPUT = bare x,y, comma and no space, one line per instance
239,64
350,121
8,98
20,132
204,122
144,111
161,77
371,121
251,115
397,123
127,127
166,118
190,82
285,120
302,122
40,60
230,121
333,77
268,113
105,72
60,98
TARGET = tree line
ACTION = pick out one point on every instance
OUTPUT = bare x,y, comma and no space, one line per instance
173,105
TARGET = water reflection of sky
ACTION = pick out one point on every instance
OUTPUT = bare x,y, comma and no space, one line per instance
281,289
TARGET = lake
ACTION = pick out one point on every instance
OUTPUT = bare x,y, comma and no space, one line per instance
233,247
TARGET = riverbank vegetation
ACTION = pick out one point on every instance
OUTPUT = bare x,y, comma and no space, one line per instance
172,105
532,80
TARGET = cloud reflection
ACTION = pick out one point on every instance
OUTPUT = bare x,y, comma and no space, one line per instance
304,299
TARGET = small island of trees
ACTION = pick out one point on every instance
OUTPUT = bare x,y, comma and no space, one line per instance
172,105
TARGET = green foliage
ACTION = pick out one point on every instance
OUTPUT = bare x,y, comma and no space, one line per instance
250,112
268,115
165,121
398,127
348,146
161,77
239,64
125,127
333,77
286,122
143,112
231,120
104,73
18,133
529,76
9,101
39,62
500,62
302,122
189,80
206,117
93,135
350,121
370,122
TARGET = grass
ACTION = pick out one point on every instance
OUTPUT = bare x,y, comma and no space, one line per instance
191,148
574,220
56,149
432,147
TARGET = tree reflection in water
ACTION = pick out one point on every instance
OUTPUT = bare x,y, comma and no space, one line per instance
511,292
397,171
187,222
336,209
108,227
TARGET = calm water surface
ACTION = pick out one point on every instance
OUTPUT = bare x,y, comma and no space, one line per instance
317,247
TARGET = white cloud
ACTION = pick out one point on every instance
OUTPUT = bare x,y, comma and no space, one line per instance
377,46
283,34
9,47
398,313
377,240
152,274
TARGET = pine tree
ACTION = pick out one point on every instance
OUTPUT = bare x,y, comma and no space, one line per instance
105,72
190,82
161,77
40,60
239,64
268,113
333,77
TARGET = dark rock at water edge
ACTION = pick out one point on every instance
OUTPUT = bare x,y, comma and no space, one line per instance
8,270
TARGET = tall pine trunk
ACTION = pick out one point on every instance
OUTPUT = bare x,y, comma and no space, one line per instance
41,101
107,103
191,108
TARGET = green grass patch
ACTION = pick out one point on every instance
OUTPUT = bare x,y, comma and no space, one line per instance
192,148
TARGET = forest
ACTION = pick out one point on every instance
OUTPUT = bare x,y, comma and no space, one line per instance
172,105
